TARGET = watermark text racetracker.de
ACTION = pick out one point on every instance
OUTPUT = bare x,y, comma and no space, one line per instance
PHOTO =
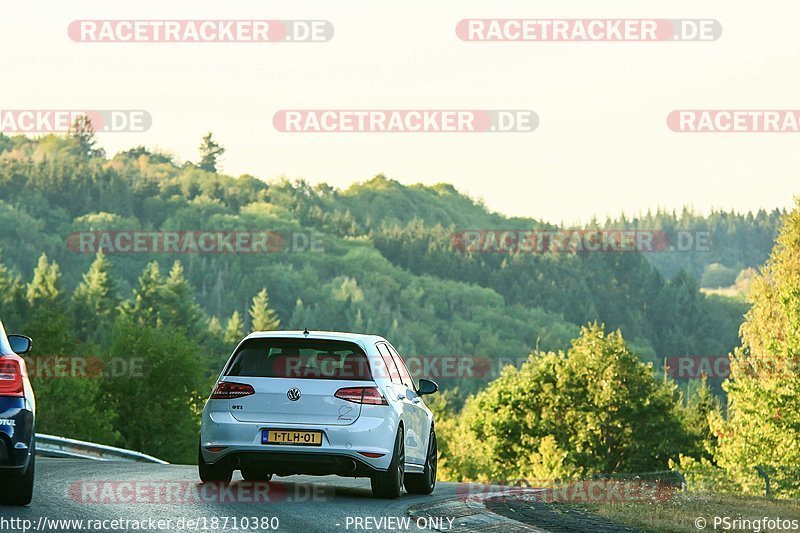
76,366
200,31
195,242
61,120
734,121
578,241
721,367
405,120
181,492
588,30
598,491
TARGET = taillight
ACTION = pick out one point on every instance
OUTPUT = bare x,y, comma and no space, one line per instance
216,449
226,391
365,395
11,378
372,455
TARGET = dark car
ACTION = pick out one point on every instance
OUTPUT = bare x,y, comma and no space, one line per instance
17,413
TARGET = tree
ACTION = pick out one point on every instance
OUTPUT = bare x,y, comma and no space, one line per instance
94,301
12,297
234,329
82,133
596,409
45,288
67,404
169,301
180,309
148,297
210,152
263,318
158,409
764,385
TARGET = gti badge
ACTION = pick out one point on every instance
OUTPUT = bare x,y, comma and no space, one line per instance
293,394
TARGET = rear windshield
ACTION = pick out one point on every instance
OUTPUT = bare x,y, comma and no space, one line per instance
300,358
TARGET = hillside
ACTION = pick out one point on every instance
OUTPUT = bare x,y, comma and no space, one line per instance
387,262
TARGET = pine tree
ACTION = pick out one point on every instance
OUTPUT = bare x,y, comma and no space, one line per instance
210,152
82,132
46,317
263,318
148,297
45,288
180,307
94,301
71,406
234,329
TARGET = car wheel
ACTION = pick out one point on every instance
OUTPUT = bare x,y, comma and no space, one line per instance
255,475
20,490
218,473
389,484
425,483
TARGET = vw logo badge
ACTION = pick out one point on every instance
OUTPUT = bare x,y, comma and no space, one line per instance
293,394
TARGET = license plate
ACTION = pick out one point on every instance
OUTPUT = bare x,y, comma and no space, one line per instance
291,437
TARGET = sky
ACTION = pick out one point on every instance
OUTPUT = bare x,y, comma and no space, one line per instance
602,146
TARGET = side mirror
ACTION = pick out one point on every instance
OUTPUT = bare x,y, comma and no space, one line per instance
427,386
20,344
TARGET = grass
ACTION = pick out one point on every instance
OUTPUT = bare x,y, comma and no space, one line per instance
679,513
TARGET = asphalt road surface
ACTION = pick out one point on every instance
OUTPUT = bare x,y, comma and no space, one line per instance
115,497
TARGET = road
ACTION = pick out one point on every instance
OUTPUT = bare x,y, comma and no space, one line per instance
69,489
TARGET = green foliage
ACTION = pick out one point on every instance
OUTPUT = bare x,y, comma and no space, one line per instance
390,240
716,275
66,405
699,415
764,386
210,152
82,132
262,317
94,301
234,329
594,409
388,267
157,411
45,287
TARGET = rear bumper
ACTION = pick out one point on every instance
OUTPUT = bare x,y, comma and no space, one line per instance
292,463
339,453
16,435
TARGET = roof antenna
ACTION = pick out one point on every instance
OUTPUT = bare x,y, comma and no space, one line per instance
305,330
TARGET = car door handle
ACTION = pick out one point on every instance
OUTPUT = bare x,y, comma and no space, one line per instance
416,400
401,396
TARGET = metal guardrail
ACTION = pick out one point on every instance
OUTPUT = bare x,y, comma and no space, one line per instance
52,446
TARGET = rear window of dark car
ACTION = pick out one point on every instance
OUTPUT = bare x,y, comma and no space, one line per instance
300,358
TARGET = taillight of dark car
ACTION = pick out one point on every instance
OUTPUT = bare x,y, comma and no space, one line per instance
365,395
11,378
226,390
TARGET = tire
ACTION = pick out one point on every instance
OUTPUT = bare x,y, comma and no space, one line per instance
425,483
20,489
255,475
218,473
389,484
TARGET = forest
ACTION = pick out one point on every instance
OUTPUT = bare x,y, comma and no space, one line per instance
160,324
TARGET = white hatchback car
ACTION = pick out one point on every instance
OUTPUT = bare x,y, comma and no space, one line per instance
322,403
